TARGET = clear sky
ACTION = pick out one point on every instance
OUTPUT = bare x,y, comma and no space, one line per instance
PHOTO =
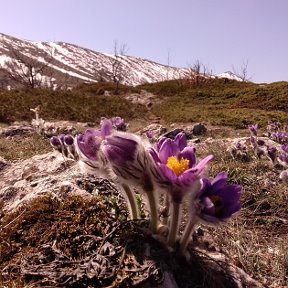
221,34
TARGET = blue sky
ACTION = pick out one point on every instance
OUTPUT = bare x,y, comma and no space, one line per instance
221,34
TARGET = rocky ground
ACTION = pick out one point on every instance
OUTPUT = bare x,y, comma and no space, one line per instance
38,195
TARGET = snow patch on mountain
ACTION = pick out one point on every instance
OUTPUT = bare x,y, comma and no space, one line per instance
230,75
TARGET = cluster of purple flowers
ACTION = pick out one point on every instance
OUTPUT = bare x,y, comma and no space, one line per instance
170,168
277,132
276,153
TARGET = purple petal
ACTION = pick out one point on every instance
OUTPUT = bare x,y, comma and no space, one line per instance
210,219
284,148
55,141
120,149
209,207
168,149
160,142
180,140
69,140
219,181
89,145
168,173
188,177
203,163
106,128
154,155
188,153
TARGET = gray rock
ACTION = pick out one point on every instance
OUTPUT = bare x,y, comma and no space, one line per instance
199,129
173,133
3,163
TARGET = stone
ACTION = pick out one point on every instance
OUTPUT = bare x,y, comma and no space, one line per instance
199,129
172,134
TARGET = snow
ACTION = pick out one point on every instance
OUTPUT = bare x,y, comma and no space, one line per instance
85,64
229,75
4,59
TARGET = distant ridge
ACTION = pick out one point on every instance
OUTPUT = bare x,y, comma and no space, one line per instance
70,64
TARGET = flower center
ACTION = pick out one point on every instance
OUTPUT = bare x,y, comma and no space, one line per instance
218,204
177,166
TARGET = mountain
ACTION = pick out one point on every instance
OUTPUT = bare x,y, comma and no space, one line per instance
230,75
56,62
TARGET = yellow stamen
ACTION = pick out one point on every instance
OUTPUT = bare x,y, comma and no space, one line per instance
178,166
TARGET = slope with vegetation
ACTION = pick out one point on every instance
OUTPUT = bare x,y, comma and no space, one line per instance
221,102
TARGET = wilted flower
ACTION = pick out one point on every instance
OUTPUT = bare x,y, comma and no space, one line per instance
218,200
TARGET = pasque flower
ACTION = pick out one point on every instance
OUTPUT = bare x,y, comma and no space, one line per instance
88,145
177,165
178,173
64,144
253,129
218,200
130,161
119,123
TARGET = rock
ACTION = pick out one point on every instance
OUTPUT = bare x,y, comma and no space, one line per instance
199,129
24,180
3,163
172,134
16,130
153,131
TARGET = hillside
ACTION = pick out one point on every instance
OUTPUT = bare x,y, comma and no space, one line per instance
68,64
215,102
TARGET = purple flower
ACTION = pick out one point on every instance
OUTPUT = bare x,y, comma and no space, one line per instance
127,156
272,153
284,148
65,145
118,123
177,166
280,137
253,129
218,200
119,149
56,143
68,140
88,144
283,159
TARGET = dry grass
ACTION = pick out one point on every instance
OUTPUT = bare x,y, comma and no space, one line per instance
256,240
23,147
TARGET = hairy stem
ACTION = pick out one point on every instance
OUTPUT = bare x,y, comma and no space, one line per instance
166,209
174,222
131,202
186,236
153,201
